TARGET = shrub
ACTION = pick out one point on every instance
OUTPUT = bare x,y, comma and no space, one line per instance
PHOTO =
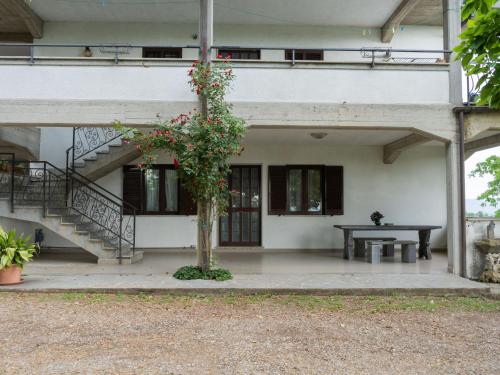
195,273
15,250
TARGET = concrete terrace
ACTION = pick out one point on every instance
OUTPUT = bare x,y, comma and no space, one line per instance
254,272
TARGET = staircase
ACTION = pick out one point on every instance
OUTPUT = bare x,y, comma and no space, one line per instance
70,205
99,151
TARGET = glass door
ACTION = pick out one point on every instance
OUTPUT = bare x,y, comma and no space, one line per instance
242,225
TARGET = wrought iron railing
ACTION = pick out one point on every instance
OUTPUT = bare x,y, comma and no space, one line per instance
88,140
31,182
43,184
115,217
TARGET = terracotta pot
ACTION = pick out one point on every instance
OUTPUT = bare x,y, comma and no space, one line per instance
10,275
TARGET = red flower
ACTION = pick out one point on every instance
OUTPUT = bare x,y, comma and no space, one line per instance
176,163
219,56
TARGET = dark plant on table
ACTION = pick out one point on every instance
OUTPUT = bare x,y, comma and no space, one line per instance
375,217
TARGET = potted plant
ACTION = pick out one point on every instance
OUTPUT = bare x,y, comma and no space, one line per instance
15,251
375,217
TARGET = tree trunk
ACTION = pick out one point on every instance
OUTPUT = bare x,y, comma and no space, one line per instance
204,246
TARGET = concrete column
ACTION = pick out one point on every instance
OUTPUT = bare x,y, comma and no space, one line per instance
454,150
453,206
452,27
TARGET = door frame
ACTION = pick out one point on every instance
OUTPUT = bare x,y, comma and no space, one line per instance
242,244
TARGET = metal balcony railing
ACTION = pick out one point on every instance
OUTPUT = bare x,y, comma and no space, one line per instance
122,53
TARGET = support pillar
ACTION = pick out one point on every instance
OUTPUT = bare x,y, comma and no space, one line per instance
455,148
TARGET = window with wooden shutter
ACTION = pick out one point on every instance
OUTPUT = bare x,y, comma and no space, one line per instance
277,190
306,190
334,190
132,189
156,191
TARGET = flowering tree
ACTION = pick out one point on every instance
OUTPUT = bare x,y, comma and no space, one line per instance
202,143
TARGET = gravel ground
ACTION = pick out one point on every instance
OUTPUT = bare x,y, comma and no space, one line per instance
102,334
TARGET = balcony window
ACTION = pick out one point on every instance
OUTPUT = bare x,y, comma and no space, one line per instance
304,54
239,54
161,53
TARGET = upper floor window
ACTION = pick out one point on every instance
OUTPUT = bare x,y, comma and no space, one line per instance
239,54
304,54
161,53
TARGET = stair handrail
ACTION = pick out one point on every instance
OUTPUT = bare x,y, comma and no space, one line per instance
91,136
112,198
74,184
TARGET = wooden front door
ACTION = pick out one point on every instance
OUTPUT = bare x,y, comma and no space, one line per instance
242,225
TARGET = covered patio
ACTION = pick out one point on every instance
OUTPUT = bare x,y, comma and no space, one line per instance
279,272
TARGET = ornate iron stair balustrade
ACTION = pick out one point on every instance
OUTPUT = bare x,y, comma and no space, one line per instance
87,140
43,184
103,209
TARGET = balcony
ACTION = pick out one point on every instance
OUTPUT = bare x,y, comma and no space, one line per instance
369,75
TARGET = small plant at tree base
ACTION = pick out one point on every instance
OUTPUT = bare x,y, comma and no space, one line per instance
15,250
489,167
195,273
202,144
375,217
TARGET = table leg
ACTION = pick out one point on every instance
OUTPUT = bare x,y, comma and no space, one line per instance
348,245
424,248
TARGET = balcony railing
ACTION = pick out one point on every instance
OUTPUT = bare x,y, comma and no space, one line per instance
126,53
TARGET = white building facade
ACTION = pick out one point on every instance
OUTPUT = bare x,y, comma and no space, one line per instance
364,86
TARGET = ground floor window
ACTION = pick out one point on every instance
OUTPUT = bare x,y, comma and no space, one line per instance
305,190
156,191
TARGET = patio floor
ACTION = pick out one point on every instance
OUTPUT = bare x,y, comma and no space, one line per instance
239,262
254,272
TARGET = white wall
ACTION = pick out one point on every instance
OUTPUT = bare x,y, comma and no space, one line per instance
415,37
410,191
253,83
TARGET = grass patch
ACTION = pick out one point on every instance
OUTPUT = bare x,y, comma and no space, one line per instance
357,304
195,273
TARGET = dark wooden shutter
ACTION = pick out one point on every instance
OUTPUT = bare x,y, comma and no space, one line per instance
132,189
334,190
187,206
277,190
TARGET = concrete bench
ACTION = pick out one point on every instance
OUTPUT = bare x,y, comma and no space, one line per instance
360,246
408,250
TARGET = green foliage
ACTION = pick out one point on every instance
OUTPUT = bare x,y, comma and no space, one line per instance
15,250
479,50
489,167
195,273
201,143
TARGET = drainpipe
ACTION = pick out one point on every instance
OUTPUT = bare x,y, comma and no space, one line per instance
461,168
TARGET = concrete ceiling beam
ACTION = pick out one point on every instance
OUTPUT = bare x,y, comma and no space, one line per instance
33,22
391,25
394,149
481,144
